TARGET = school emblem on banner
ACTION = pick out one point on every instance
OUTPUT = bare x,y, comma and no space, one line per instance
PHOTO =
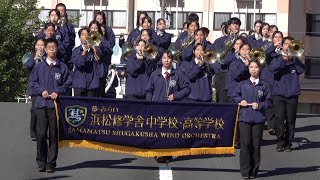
75,115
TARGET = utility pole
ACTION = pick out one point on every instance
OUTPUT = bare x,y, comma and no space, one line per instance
163,14
131,15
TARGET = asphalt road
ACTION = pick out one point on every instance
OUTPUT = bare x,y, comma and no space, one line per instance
18,152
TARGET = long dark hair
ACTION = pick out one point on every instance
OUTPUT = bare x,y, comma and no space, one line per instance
138,17
103,17
98,24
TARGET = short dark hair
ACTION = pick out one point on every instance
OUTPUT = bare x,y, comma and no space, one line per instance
234,20
51,40
273,26
246,35
149,31
251,32
245,44
262,26
47,25
82,29
287,38
190,22
138,17
277,32
198,44
148,19
169,54
61,5
257,62
193,17
161,19
257,21
39,39
205,30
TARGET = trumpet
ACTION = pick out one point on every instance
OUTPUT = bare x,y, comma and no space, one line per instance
94,38
296,48
150,51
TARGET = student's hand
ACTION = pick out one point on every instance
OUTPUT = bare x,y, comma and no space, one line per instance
243,103
45,94
121,36
123,73
54,95
170,97
255,105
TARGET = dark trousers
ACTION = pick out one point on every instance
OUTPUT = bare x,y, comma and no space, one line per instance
133,97
47,155
285,112
250,140
33,122
87,93
271,118
221,93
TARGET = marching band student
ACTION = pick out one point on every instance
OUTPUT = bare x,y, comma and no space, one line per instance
254,96
106,50
199,74
191,17
238,70
60,33
70,31
206,32
146,23
50,33
138,72
264,33
107,31
268,77
167,84
35,58
256,32
161,37
135,33
86,59
199,37
185,27
272,29
224,29
48,81
192,26
286,89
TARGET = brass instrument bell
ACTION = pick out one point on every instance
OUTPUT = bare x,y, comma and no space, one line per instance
94,38
296,48
150,51
126,50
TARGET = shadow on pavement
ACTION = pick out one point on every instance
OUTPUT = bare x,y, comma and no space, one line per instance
54,177
286,171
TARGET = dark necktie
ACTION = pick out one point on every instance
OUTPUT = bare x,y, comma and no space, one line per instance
167,75
51,65
253,84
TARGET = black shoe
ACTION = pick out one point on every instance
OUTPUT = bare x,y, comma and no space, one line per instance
288,149
33,139
245,177
272,132
252,177
50,169
163,159
42,169
280,149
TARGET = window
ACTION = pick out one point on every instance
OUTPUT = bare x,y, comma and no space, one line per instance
114,18
72,16
219,18
313,24
312,67
87,17
268,18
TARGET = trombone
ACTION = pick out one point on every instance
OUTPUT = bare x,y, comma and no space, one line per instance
150,51
94,38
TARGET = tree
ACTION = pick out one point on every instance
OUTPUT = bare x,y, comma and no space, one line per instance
18,21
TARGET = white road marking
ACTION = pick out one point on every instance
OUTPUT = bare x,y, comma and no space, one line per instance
165,173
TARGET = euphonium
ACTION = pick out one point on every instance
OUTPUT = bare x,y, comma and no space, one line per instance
25,57
296,48
210,56
175,52
126,50
186,42
259,55
94,38
150,51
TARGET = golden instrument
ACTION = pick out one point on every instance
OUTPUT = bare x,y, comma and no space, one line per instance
126,50
94,38
210,56
150,51
186,42
296,48
259,55
175,53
